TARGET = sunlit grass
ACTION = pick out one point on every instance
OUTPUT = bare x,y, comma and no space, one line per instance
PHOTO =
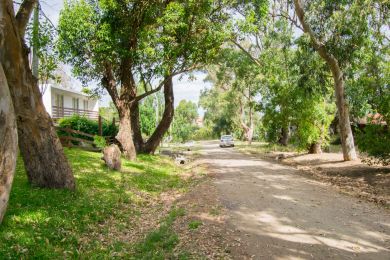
43,223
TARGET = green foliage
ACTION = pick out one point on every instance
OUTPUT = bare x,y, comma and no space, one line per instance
220,114
169,38
368,88
109,113
99,141
184,122
194,224
55,223
203,133
148,110
46,46
83,124
345,27
232,100
375,141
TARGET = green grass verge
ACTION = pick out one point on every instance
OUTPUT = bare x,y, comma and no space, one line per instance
47,224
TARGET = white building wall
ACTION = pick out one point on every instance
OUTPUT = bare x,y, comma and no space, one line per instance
93,104
47,100
50,95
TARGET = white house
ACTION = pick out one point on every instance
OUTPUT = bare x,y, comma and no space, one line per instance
61,102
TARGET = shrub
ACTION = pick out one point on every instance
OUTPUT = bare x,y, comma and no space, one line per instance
375,141
83,124
99,141
203,133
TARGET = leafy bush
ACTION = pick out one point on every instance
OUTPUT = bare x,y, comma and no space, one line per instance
83,124
99,141
375,141
203,133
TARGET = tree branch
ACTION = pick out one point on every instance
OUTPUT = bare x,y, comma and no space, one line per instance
288,17
319,46
23,15
246,52
162,83
108,81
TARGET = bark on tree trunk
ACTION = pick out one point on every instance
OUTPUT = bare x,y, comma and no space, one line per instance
136,126
346,135
285,136
43,156
248,130
315,148
8,141
125,134
153,142
249,135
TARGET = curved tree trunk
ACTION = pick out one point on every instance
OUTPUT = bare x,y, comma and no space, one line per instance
136,126
346,136
43,156
125,134
154,141
8,141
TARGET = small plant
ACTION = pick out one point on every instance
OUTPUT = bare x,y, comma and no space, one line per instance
99,141
194,224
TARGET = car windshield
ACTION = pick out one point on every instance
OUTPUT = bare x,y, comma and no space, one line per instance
227,137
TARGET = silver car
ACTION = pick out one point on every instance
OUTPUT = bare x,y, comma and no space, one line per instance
226,141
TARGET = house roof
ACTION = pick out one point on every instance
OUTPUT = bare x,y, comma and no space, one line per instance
70,90
375,119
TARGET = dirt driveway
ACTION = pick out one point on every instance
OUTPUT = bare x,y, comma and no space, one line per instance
278,214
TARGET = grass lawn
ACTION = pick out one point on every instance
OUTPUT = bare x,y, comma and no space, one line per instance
43,223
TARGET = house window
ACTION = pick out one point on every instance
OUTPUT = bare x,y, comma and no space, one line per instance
58,111
59,101
75,103
85,104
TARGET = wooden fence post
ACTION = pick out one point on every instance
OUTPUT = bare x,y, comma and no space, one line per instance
100,125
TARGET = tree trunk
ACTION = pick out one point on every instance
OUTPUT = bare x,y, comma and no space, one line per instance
315,148
42,152
136,126
285,136
9,143
248,130
125,134
346,135
154,141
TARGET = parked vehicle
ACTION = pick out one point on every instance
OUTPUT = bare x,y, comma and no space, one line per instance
226,141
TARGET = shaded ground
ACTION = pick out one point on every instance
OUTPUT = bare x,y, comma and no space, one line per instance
371,183
368,182
270,211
